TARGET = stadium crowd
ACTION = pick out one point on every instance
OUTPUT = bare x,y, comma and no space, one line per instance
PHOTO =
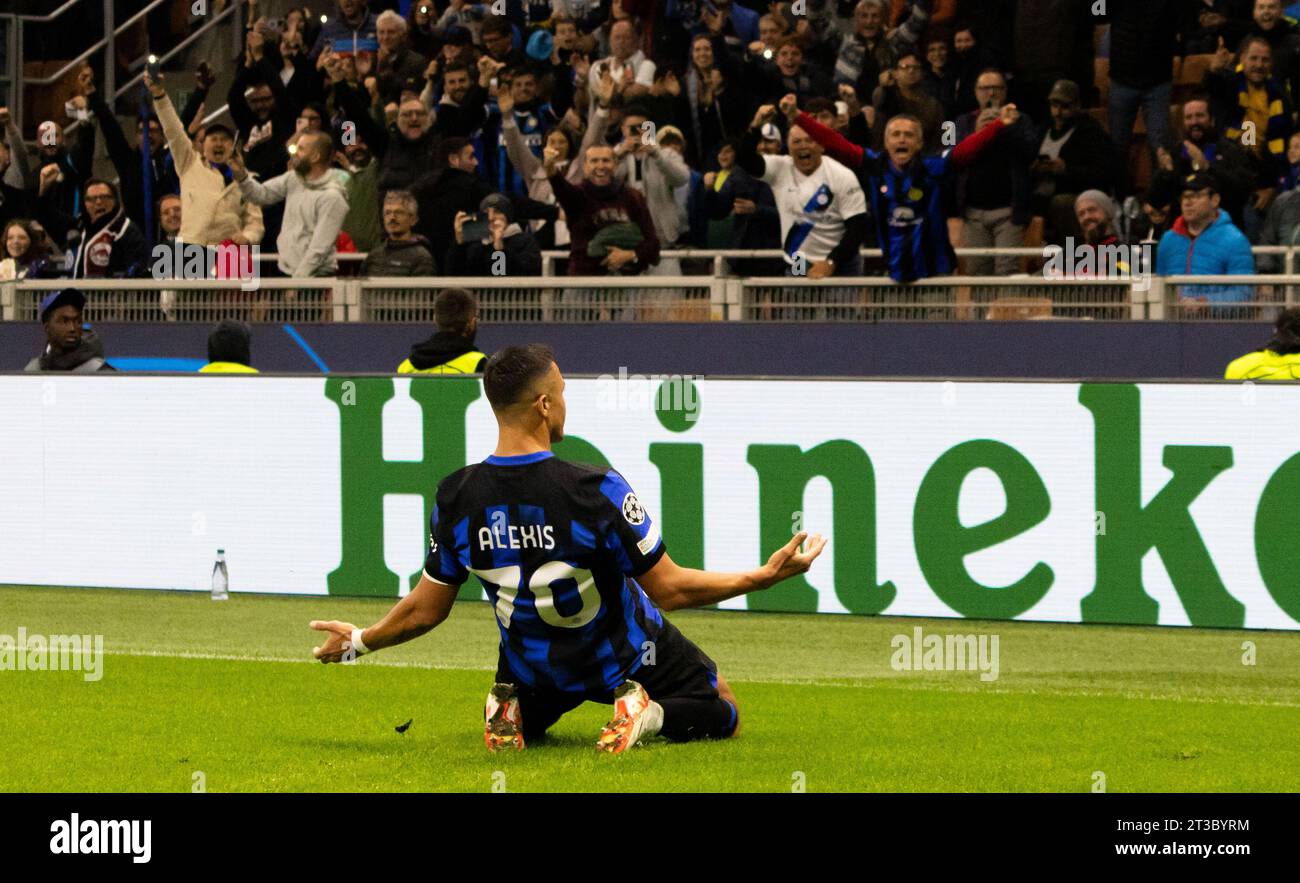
442,138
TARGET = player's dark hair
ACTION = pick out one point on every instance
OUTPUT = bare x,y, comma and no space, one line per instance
450,147
512,371
230,342
101,182
1286,334
454,309
456,67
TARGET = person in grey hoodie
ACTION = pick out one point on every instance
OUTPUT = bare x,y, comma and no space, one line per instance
315,196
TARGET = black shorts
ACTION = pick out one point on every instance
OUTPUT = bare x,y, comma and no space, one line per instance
680,671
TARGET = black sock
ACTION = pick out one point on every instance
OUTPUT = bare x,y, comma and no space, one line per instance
687,719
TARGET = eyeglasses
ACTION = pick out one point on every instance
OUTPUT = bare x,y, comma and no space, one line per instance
99,197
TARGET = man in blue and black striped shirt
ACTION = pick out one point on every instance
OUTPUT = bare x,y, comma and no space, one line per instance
579,577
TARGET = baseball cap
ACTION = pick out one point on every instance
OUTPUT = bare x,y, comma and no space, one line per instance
540,45
1064,91
63,297
1199,181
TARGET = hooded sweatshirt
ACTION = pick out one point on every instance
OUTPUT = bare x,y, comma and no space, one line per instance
440,349
313,215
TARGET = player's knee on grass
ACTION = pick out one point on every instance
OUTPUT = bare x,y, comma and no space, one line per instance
724,692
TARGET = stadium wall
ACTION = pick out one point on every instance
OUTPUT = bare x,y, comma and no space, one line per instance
1115,350
989,500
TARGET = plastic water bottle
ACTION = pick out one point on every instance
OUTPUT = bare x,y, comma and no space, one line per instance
220,578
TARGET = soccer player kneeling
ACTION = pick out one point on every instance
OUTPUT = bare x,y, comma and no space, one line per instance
579,577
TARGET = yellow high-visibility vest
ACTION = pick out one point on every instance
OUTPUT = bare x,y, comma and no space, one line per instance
1264,365
463,364
226,368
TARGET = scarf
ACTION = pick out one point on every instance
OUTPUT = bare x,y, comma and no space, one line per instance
1275,132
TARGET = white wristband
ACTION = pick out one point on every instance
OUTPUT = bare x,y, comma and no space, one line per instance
357,644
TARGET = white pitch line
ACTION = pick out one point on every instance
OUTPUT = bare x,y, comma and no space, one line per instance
900,683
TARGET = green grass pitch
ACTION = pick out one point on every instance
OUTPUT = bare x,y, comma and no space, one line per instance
229,690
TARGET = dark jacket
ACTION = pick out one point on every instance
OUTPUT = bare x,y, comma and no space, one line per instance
1143,40
440,196
403,161
1089,156
113,247
129,162
87,358
269,158
1232,167
1009,157
588,208
59,207
409,258
523,257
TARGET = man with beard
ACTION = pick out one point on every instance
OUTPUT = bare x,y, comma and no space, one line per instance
266,118
455,187
363,223
1074,154
1253,101
68,345
63,173
462,110
600,206
1096,214
315,204
451,349
108,244
906,189
213,209
1203,147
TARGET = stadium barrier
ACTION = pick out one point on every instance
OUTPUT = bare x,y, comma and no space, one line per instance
666,299
988,500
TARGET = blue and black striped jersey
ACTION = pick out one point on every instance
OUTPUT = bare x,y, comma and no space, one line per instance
907,207
557,547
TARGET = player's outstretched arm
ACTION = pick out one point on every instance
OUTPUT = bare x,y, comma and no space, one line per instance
424,609
673,587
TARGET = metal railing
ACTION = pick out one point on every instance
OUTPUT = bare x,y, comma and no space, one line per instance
106,45
669,299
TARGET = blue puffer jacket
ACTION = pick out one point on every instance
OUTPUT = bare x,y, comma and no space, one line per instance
1220,250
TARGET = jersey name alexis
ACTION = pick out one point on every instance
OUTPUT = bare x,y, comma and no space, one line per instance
516,536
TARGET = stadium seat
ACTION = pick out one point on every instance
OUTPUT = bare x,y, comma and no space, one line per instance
1013,308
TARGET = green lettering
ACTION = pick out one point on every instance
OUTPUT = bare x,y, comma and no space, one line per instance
366,477
1164,524
942,542
783,473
